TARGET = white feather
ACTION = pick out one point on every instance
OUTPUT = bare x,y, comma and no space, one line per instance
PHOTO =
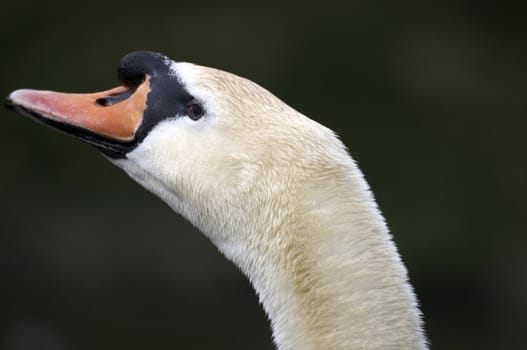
280,197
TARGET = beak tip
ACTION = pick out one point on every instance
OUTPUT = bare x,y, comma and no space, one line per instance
17,97
12,99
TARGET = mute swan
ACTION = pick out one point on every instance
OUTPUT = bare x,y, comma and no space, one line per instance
275,191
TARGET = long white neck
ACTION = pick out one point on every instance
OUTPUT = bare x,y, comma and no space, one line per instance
328,273
320,257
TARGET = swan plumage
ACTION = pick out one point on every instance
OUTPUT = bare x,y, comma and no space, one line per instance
275,191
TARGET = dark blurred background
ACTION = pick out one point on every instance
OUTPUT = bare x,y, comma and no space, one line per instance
429,96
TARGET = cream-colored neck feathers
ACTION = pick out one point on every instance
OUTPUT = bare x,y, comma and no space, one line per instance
280,197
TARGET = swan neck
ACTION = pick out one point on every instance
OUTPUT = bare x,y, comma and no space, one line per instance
329,275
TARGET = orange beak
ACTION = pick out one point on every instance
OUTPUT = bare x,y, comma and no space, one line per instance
112,116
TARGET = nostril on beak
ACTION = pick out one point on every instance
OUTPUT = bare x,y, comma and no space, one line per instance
114,98
103,101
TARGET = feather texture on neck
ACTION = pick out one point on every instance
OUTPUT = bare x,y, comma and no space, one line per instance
280,197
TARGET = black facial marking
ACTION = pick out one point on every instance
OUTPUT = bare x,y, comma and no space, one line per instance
167,97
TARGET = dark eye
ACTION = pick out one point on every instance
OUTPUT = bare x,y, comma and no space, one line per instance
195,110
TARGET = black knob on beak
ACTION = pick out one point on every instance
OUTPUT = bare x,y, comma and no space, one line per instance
134,67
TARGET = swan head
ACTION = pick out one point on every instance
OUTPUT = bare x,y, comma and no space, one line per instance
211,144
274,190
